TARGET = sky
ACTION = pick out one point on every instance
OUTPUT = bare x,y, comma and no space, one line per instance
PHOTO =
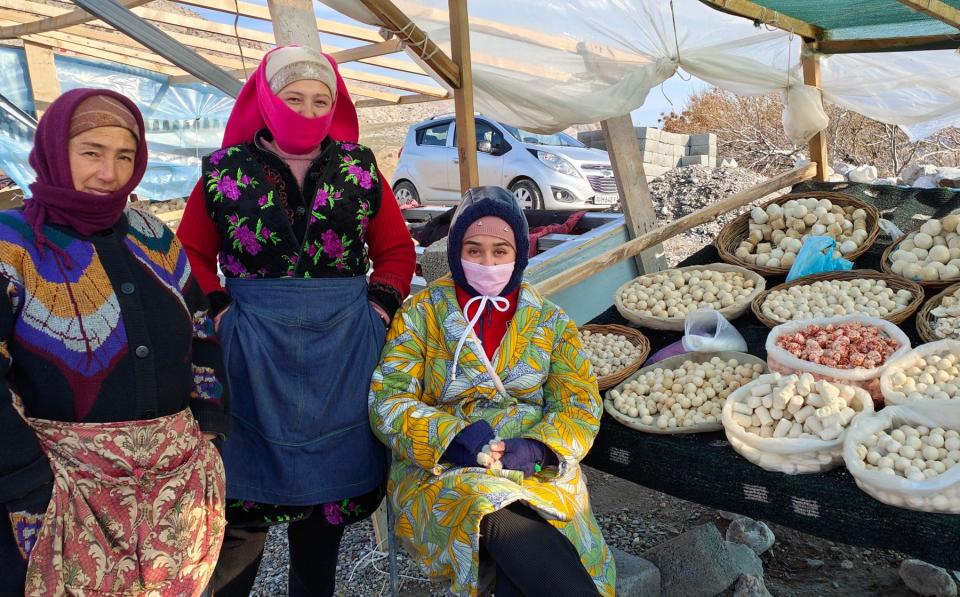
672,95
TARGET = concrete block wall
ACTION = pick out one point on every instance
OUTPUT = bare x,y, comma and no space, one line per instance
662,150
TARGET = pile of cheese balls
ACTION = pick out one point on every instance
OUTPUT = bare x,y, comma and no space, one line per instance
776,233
947,317
608,353
916,453
688,396
829,298
934,376
679,293
841,346
931,253
796,406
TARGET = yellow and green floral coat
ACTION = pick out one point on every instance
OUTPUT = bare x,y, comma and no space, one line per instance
418,404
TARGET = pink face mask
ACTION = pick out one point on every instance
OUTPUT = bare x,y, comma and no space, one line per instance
488,280
294,133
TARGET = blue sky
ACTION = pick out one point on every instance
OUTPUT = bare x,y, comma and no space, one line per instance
672,95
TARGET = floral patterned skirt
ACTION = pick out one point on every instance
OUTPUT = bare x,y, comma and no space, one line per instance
244,513
137,509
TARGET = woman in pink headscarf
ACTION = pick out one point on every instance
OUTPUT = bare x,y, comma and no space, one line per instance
296,213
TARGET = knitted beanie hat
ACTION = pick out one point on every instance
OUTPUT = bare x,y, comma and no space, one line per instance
296,63
478,203
491,226
102,110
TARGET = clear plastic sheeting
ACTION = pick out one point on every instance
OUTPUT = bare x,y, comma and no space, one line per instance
183,122
545,66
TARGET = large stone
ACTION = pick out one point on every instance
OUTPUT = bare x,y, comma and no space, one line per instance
636,577
751,586
433,262
752,533
699,563
650,145
703,139
863,174
913,171
927,579
674,138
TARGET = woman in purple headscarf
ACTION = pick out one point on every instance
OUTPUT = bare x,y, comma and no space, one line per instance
110,372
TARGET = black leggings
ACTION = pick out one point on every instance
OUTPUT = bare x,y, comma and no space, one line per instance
314,546
533,558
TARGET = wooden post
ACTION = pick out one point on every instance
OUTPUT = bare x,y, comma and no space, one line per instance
638,212
463,95
294,23
42,71
818,145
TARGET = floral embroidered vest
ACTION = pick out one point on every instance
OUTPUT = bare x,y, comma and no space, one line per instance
257,236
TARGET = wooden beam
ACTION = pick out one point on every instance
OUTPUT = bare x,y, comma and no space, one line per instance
293,23
404,99
587,269
936,9
818,144
368,51
73,17
463,95
415,38
111,56
42,72
393,82
766,16
638,212
894,44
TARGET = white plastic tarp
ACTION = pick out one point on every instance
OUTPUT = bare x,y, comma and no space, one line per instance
544,66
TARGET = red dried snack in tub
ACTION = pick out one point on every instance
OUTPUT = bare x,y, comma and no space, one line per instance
842,346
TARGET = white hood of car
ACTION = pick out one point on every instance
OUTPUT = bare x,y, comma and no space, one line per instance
576,154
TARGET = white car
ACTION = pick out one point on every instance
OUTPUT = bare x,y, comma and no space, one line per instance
542,171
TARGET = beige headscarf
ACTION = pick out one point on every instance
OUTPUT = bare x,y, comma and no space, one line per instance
295,63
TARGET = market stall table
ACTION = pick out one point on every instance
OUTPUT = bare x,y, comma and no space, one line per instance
703,468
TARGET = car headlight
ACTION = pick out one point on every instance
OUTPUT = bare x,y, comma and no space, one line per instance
557,163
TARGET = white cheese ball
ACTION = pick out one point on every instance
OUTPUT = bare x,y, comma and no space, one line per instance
675,294
919,460
828,298
929,253
690,395
946,317
608,353
933,376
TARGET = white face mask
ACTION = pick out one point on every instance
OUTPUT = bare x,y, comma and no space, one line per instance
488,280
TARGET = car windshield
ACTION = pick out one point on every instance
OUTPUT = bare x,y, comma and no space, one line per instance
556,139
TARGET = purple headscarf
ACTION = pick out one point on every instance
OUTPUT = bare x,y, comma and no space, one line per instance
54,198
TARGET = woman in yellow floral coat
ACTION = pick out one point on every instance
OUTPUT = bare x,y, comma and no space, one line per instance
470,361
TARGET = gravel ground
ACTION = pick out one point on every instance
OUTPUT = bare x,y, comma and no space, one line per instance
633,519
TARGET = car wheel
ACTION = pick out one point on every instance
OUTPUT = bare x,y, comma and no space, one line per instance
406,193
527,194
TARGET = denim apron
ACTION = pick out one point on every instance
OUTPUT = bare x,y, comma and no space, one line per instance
300,353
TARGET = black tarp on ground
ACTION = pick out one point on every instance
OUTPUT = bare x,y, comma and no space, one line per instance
703,468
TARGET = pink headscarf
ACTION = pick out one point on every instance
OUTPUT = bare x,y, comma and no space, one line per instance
257,107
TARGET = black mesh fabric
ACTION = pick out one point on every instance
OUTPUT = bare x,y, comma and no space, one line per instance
703,468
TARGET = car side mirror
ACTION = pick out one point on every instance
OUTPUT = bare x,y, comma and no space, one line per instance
485,146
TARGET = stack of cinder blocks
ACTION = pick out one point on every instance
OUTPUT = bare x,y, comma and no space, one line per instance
662,151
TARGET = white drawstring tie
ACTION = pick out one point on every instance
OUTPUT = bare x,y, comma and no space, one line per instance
499,303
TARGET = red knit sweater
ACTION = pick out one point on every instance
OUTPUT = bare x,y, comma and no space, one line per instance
492,325
390,247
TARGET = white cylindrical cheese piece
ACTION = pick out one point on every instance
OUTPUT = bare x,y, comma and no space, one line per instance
742,408
743,420
831,432
761,389
802,414
764,415
782,428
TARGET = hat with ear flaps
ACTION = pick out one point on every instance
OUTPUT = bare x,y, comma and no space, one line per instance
477,203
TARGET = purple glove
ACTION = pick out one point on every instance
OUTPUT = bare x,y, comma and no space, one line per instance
465,446
526,455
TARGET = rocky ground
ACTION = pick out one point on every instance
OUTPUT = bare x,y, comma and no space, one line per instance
633,519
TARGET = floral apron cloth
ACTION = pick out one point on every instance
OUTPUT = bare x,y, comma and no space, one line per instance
299,355
137,509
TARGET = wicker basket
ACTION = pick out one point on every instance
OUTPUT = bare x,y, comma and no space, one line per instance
887,267
635,338
676,323
736,231
894,282
926,321
673,363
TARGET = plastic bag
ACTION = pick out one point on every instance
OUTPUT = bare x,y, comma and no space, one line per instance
906,361
939,494
706,330
816,256
783,362
784,454
803,114
668,351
